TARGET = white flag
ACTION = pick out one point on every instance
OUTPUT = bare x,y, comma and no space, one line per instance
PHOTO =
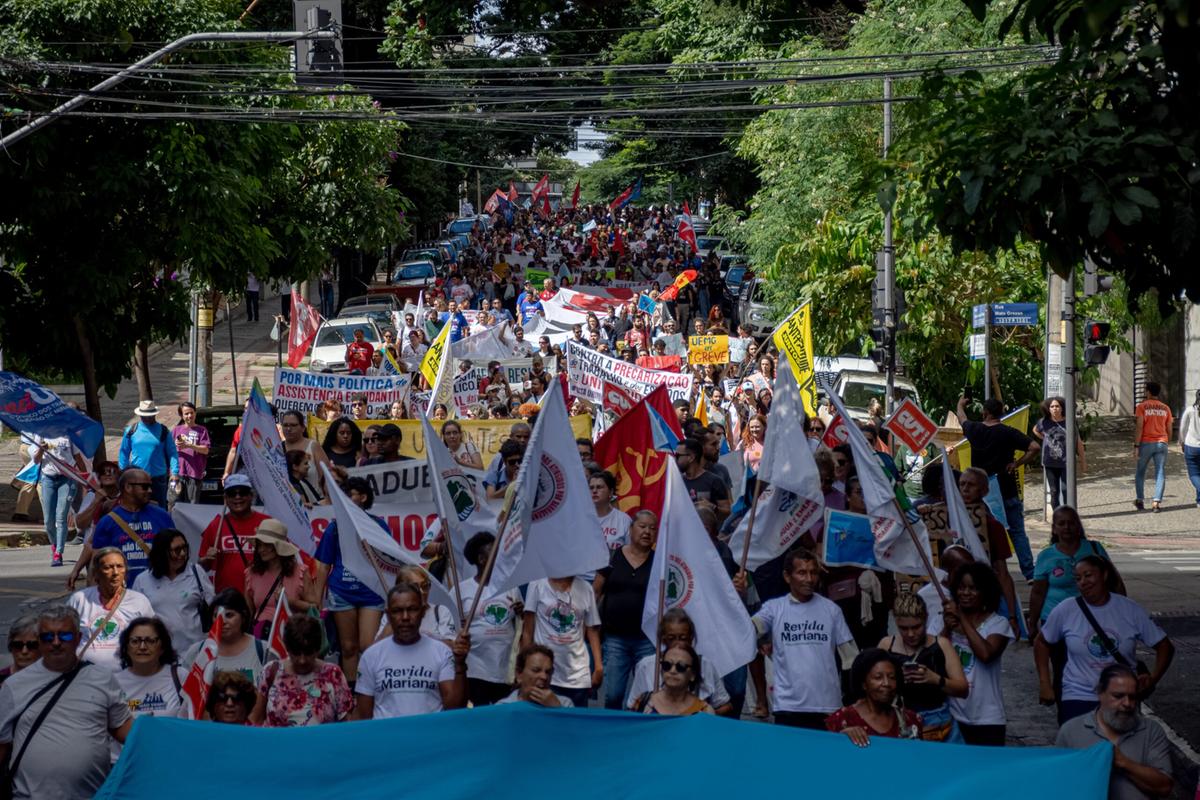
687,565
894,548
487,344
261,450
781,519
553,531
960,518
459,503
370,552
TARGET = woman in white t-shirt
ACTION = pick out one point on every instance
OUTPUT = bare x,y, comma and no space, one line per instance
150,680
176,588
979,636
561,613
614,522
106,609
237,650
493,629
463,451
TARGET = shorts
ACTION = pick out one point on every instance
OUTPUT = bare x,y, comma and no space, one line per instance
333,602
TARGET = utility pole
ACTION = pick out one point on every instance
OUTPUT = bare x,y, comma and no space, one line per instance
1069,370
204,330
478,194
889,262
987,351
192,342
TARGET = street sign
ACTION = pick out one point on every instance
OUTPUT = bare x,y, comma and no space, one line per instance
1010,315
979,316
978,346
909,424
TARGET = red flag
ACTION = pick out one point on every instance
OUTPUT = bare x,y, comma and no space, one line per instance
617,399
305,322
835,432
542,188
681,280
512,192
627,451
618,242
686,232
664,363
575,197
595,243
493,202
545,209
198,682
282,613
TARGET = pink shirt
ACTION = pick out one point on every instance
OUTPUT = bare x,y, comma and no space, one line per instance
257,586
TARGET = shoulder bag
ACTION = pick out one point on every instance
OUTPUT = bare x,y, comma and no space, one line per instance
62,682
205,610
1110,646
123,525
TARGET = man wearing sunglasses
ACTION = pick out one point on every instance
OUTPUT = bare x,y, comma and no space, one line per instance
227,544
130,526
67,754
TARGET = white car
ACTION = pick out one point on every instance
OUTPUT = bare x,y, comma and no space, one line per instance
329,348
753,310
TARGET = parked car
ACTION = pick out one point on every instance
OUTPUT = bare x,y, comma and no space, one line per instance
466,224
734,277
221,422
434,255
753,310
381,315
372,300
329,348
858,388
707,244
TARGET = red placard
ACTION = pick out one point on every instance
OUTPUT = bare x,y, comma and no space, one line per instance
909,424
835,432
618,400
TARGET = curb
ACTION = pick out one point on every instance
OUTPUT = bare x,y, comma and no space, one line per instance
27,537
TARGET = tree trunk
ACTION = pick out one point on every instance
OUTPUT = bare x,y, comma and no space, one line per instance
141,368
91,386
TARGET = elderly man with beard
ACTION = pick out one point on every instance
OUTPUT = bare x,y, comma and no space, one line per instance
1141,766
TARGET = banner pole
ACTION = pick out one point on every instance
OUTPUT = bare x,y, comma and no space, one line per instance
937,585
758,486
454,573
486,575
662,601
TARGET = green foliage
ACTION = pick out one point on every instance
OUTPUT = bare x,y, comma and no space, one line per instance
1092,156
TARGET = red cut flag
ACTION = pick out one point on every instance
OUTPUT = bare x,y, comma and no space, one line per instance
618,242
627,451
541,189
617,399
512,192
305,322
686,232
681,280
199,680
575,197
282,612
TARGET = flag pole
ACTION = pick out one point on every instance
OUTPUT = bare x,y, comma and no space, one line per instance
758,487
937,585
662,601
454,573
486,575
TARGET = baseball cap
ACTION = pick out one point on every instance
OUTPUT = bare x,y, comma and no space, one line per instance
238,481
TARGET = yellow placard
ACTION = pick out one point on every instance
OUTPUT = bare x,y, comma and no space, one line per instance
433,358
708,350
960,450
486,434
793,337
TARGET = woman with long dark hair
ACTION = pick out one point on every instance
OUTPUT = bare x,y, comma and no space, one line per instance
342,443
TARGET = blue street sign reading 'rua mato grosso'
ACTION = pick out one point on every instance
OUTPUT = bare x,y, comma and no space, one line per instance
1005,315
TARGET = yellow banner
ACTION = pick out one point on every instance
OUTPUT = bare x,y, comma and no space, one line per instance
794,338
486,434
433,358
708,350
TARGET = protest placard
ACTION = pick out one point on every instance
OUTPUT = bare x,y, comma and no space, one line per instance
587,370
304,391
708,349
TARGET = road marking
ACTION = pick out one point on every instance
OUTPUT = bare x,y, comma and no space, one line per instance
1179,560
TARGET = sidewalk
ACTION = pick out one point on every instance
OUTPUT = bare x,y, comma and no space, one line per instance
255,354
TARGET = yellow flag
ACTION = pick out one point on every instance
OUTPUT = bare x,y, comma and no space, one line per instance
701,412
1018,420
794,337
433,358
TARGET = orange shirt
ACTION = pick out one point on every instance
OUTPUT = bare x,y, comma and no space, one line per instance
1156,421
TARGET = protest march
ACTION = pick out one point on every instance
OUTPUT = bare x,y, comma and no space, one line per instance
566,488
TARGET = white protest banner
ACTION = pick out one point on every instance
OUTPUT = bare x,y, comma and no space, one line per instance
516,370
304,391
587,370
466,392
675,344
406,481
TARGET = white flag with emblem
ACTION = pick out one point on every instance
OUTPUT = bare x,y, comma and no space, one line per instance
459,501
553,531
960,518
687,566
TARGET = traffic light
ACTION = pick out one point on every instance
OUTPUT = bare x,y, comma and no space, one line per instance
318,61
1093,282
881,352
1095,351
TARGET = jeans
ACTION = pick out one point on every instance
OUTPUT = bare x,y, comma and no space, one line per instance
57,492
188,492
1014,513
621,654
1070,709
285,307
1056,478
1191,457
1146,452
735,684
251,306
327,300
158,490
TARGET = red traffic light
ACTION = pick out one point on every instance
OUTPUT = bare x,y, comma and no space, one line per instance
1096,331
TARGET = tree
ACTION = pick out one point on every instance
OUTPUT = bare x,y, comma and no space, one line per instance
1094,155
105,217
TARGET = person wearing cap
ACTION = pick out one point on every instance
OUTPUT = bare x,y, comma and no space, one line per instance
390,437
275,568
147,444
227,546
130,526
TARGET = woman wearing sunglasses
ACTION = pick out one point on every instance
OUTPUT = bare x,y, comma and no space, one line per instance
231,699
22,645
680,681
106,609
370,444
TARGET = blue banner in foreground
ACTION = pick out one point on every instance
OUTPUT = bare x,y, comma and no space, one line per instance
29,407
583,754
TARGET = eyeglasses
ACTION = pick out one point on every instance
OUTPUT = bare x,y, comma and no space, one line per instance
240,491
63,636
370,438
512,461
17,645
181,550
143,641
676,666
228,698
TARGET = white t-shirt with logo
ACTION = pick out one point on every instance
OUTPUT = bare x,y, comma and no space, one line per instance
405,679
493,631
985,704
150,696
615,524
103,651
561,620
804,638
1126,624
177,602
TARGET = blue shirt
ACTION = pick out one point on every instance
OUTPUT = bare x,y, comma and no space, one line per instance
342,581
527,305
149,446
145,523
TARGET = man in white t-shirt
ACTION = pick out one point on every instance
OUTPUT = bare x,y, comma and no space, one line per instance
410,673
68,754
613,521
807,634
493,630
